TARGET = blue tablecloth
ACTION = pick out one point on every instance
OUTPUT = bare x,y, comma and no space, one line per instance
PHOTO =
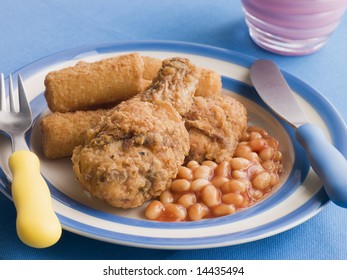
33,29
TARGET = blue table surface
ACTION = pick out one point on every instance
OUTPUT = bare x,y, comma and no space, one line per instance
33,29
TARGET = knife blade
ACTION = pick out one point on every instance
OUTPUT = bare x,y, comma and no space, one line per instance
328,163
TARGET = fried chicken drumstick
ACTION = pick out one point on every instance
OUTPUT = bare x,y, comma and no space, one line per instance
135,151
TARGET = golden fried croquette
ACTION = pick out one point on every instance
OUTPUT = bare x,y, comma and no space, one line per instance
151,66
87,85
62,132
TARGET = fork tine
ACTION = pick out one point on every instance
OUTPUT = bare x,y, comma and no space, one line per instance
23,100
10,87
2,93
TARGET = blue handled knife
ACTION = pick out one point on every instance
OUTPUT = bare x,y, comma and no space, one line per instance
328,163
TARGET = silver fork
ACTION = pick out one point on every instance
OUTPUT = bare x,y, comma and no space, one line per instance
16,120
37,224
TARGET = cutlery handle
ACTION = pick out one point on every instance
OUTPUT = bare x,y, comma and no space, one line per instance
37,224
329,164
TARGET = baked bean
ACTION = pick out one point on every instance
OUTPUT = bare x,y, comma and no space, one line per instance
210,195
255,169
185,173
175,212
244,137
252,156
197,211
242,150
261,181
193,164
234,186
198,184
223,210
274,179
277,156
239,163
267,153
166,197
223,169
219,181
210,163
187,200
255,135
233,198
180,185
256,194
246,203
257,144
202,172
257,129
154,210
272,142
238,174
269,165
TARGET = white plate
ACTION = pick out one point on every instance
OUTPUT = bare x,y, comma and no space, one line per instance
299,197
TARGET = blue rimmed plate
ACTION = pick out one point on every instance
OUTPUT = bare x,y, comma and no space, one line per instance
299,197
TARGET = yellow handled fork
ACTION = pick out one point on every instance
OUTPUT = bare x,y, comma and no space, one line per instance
37,224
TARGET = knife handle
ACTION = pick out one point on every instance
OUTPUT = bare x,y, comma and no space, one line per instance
329,164
37,224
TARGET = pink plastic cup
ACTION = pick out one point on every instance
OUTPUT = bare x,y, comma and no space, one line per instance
292,27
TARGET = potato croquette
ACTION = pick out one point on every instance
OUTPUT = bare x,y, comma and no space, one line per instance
151,67
62,132
94,84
